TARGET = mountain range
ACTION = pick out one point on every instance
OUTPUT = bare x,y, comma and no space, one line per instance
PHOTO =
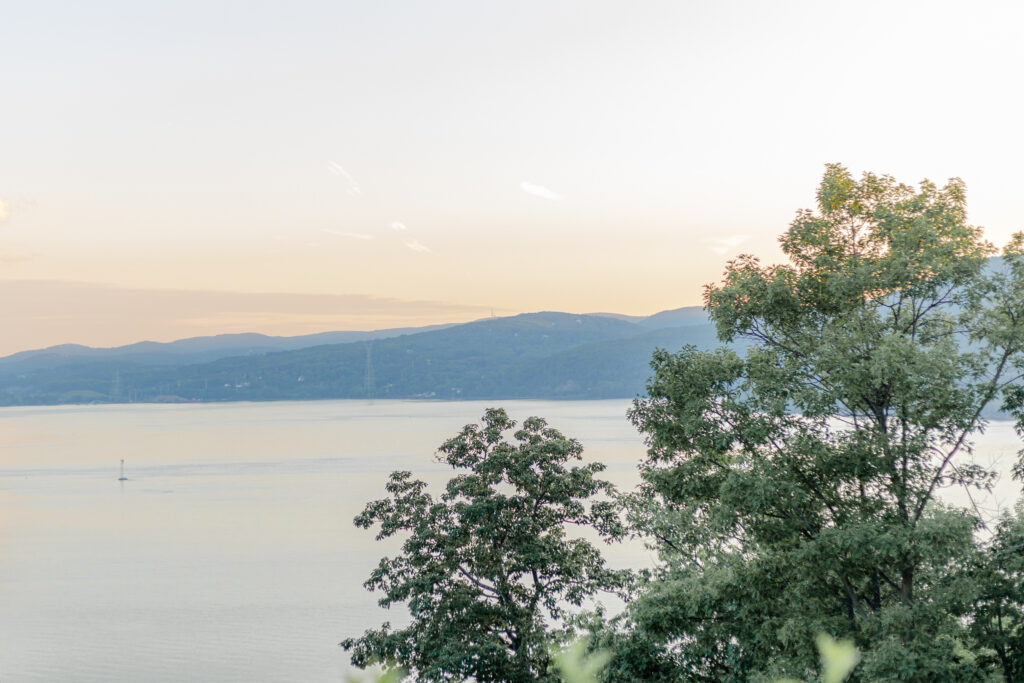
534,355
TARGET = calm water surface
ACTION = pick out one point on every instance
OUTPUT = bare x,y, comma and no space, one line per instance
230,554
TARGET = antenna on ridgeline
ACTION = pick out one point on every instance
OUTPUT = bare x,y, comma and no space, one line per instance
492,311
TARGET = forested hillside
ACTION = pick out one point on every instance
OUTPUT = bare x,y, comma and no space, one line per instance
538,355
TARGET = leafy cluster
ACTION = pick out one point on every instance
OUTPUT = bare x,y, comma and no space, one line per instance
795,490
790,491
488,570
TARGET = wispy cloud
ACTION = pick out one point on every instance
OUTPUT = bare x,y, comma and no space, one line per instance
350,235
724,245
539,191
416,246
339,170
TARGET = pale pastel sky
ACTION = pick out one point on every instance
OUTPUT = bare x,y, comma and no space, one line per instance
185,168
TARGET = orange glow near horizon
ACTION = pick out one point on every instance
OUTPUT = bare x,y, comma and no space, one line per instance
369,168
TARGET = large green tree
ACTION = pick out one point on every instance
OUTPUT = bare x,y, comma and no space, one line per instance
489,570
796,489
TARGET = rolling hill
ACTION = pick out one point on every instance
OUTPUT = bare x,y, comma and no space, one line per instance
536,355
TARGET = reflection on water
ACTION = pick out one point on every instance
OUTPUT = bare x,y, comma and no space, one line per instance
230,554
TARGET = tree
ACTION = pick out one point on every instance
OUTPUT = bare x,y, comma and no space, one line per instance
997,623
488,570
795,490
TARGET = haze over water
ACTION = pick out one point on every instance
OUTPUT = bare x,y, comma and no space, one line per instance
230,553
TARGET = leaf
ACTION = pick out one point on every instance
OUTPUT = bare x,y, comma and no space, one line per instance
577,666
837,658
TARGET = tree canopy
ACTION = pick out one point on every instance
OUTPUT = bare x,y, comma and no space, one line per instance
488,569
797,489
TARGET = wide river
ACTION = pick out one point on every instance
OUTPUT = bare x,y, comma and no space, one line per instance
230,554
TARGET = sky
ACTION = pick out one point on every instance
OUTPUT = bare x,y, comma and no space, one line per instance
179,169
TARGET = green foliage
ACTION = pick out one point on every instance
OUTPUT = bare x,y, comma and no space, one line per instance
389,675
576,665
997,626
488,570
794,490
837,659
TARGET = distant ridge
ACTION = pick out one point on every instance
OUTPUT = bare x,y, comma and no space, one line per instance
618,316
533,355
199,349
677,317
